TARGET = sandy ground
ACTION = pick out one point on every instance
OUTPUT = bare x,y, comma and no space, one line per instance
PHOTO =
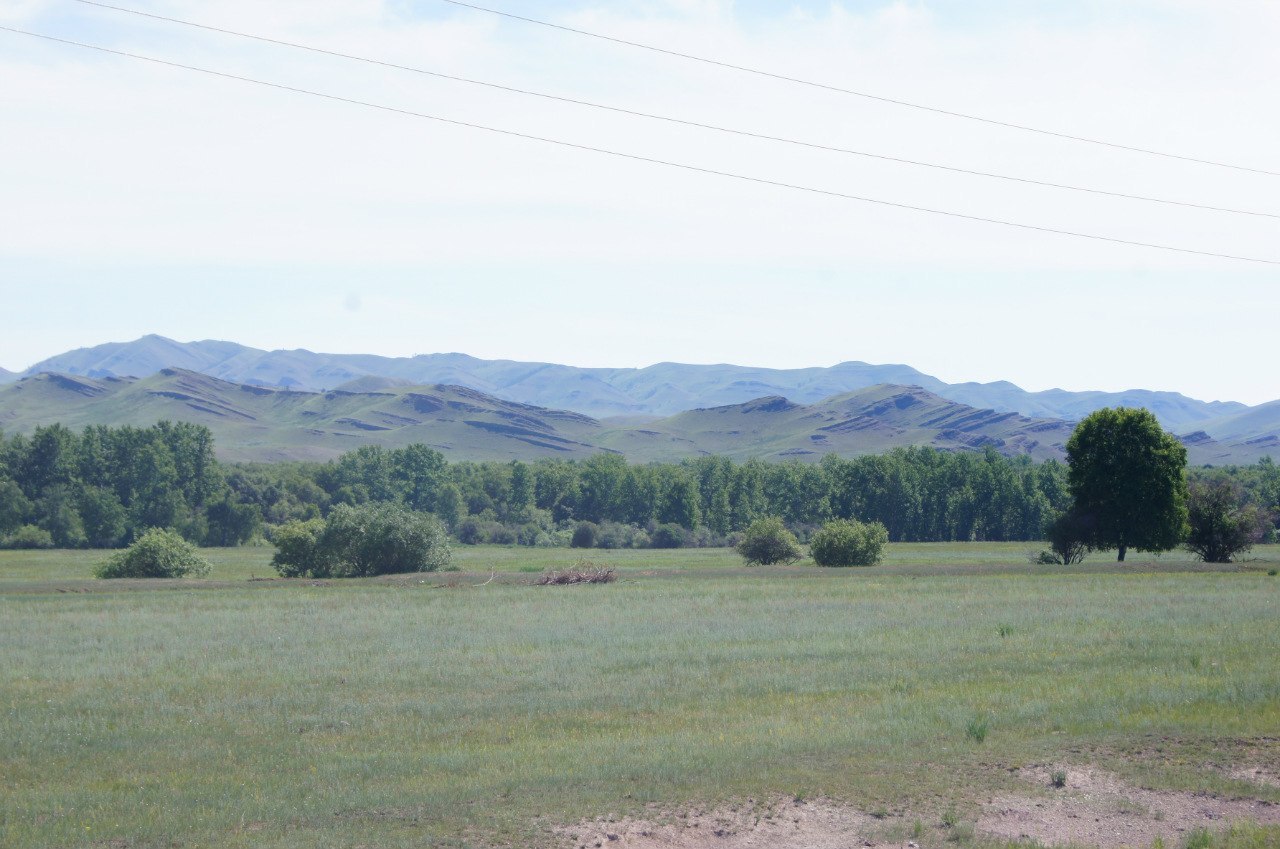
1097,809
1094,808
776,824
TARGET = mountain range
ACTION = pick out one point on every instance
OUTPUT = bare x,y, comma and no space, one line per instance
658,390
260,423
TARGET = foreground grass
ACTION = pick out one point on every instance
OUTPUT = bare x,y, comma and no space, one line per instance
286,714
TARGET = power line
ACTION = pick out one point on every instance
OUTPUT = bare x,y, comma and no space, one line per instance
681,121
869,96
639,158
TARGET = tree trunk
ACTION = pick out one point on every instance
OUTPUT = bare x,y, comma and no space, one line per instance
1123,549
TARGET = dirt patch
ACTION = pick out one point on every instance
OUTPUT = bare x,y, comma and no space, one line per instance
1095,808
777,824
1256,775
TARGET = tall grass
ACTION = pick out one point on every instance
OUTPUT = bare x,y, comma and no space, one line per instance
414,714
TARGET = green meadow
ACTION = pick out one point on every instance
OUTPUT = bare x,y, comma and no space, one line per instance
472,708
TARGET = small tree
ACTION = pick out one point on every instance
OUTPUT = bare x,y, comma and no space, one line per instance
767,541
1222,524
1068,536
158,553
848,542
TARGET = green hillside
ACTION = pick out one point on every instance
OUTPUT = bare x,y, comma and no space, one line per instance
272,424
256,423
662,389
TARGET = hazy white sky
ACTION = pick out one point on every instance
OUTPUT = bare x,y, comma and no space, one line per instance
142,199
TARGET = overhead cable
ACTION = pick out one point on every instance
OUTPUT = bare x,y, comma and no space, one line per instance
682,121
864,94
640,158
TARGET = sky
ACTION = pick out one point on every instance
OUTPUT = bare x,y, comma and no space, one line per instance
140,198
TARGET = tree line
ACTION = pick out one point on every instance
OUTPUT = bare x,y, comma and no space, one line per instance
105,486
916,493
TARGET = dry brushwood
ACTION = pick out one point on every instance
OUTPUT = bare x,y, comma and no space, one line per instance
580,573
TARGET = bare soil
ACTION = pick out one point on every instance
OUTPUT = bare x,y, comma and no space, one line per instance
1096,808
1257,775
776,824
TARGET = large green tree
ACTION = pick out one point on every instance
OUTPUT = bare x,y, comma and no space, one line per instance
1127,476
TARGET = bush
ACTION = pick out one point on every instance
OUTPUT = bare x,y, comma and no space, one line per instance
767,542
848,542
158,553
298,550
611,535
584,535
383,539
470,533
372,539
1068,534
500,534
28,536
669,535
1222,525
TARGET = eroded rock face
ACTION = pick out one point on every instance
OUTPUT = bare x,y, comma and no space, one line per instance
1095,808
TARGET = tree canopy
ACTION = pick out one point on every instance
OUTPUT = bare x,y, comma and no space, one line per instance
1127,477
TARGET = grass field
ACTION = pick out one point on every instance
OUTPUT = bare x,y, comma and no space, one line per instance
455,710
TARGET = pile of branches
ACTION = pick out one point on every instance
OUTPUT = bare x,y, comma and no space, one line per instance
582,572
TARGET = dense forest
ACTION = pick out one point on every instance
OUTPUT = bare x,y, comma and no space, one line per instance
104,486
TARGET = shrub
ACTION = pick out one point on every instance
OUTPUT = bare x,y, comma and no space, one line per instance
584,535
528,534
848,542
669,535
28,536
767,541
614,535
158,553
298,550
383,539
1222,525
1067,534
500,534
372,539
470,533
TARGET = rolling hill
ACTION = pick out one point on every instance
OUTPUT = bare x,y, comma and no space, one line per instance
271,424
663,389
267,424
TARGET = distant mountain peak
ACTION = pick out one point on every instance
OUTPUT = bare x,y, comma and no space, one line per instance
661,389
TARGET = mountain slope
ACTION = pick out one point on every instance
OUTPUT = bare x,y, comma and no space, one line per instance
269,424
868,421
662,389
258,423
1258,427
